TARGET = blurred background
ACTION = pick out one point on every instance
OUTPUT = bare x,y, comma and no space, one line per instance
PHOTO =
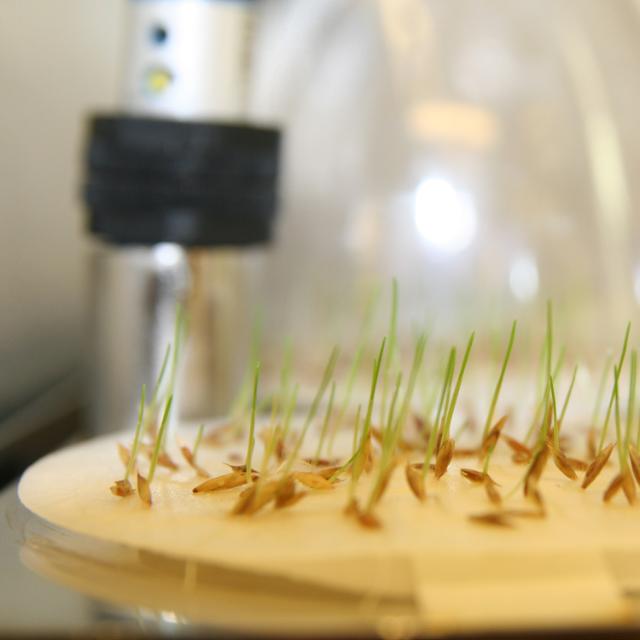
482,153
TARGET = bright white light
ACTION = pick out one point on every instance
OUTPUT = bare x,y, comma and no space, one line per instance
169,616
444,216
523,277
167,255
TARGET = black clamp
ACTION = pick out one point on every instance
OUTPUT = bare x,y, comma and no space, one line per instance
193,183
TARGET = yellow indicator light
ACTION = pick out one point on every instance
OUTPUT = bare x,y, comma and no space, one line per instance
157,80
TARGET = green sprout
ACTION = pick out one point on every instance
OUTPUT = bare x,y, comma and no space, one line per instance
565,404
549,339
354,476
286,422
159,445
619,436
496,392
179,333
278,399
556,422
372,391
388,442
326,377
601,385
198,440
156,388
239,403
494,399
285,372
431,445
136,438
430,397
325,422
559,419
357,460
418,357
631,400
390,355
364,333
452,406
252,425
547,352
543,403
616,372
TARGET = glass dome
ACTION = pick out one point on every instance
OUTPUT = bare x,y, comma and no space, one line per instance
481,153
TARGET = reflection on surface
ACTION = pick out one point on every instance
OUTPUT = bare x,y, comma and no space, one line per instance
173,592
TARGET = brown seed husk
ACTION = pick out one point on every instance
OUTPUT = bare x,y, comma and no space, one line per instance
419,423
577,464
492,518
352,508
597,465
368,520
466,453
246,490
521,458
517,447
121,488
493,436
548,416
221,435
535,496
443,459
634,459
525,513
164,460
240,468
563,464
329,472
280,450
382,487
367,454
244,500
285,491
592,443
312,480
420,465
629,486
472,475
492,493
144,490
565,443
291,500
152,430
403,445
188,456
263,495
416,484
123,454
225,481
321,462
534,472
614,486
438,442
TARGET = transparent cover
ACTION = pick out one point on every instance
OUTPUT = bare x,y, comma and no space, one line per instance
481,153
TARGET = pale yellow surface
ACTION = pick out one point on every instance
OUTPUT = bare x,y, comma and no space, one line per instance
567,569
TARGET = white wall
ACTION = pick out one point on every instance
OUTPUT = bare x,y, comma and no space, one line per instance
58,62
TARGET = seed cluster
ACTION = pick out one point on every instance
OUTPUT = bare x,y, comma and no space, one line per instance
421,443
